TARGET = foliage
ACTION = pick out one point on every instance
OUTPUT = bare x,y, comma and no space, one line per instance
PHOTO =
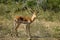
31,3
46,11
53,5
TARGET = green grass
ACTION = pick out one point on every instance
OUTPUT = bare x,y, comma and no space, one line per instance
45,26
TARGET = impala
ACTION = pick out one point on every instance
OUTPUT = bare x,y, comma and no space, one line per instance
25,20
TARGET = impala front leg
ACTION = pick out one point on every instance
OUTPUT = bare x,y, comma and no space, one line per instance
28,30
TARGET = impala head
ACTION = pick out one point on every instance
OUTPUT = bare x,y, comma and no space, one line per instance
34,16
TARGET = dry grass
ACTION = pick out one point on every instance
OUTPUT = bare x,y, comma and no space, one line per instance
41,29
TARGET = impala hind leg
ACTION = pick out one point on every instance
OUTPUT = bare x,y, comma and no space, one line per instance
16,29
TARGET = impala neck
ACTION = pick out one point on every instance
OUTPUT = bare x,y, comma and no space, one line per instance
33,16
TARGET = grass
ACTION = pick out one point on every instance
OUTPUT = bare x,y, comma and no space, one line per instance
46,26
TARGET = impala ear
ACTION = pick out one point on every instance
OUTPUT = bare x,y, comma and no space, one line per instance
35,10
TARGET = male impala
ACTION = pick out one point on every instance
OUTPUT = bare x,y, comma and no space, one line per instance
25,20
